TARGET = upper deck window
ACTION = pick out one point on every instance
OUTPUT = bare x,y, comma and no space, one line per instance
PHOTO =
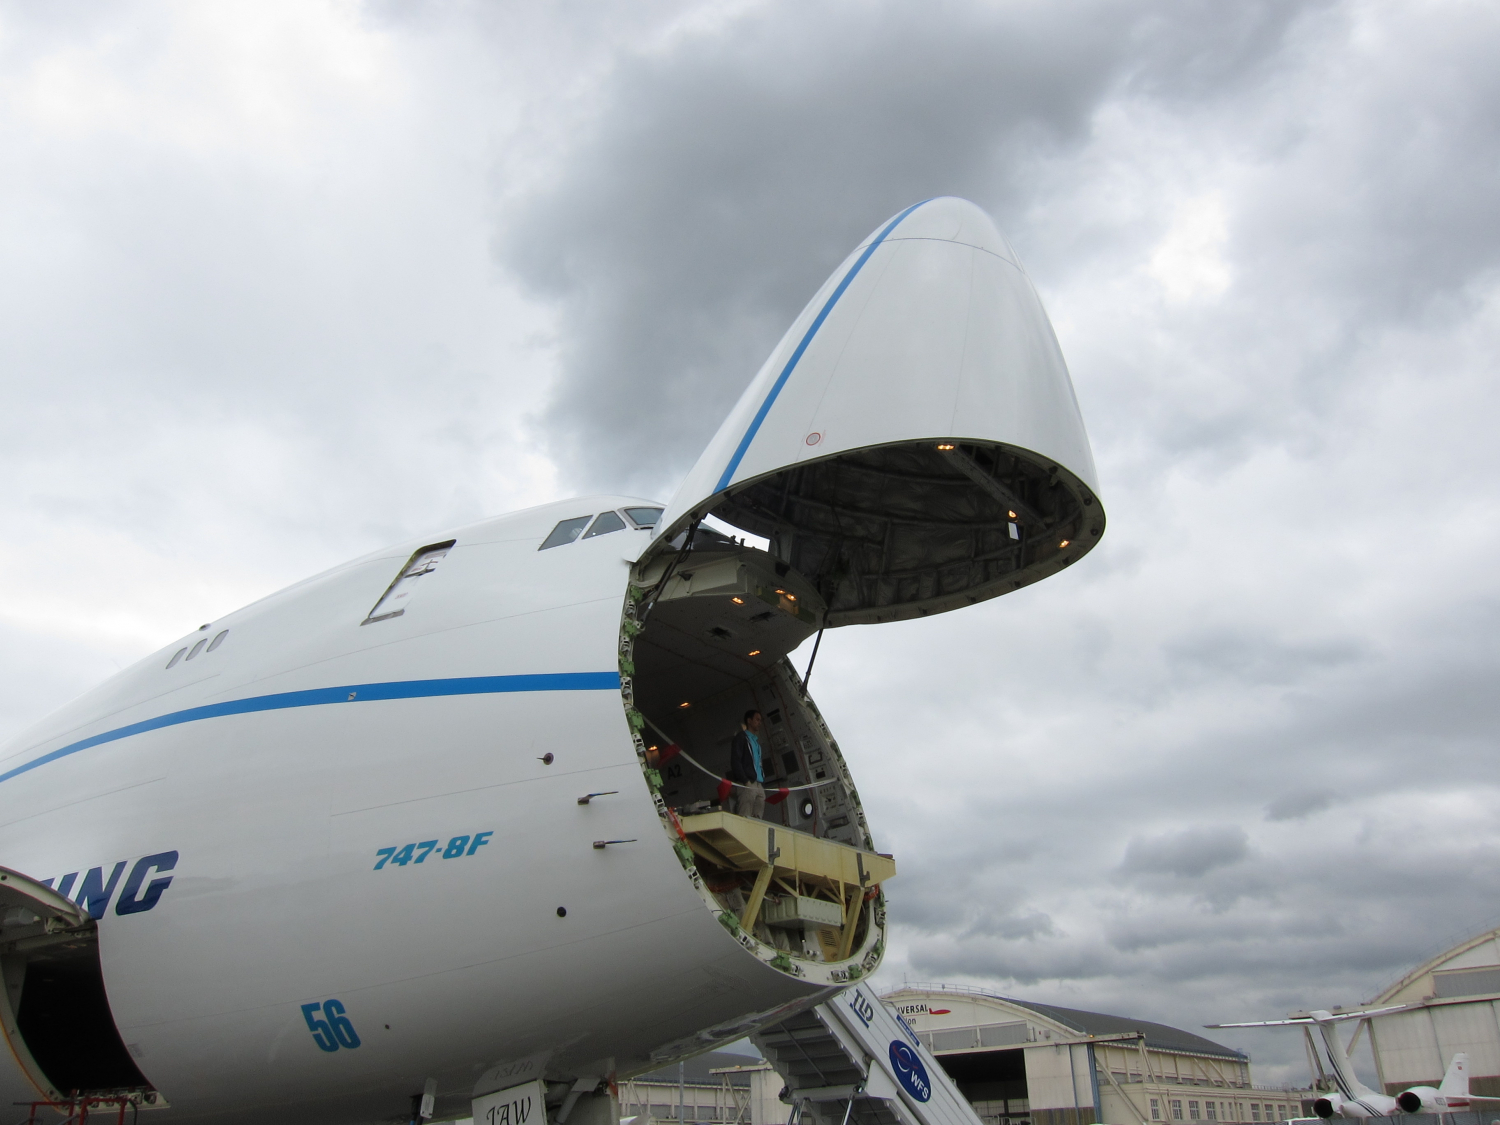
565,532
398,595
607,522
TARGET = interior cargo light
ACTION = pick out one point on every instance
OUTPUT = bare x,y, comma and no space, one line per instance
945,446
680,706
1063,544
755,652
1012,515
738,601
791,597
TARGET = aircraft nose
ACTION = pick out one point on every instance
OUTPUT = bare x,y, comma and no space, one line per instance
950,219
923,390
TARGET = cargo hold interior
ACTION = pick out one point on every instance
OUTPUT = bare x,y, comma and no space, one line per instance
714,646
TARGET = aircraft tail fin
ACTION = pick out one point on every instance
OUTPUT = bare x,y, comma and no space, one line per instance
1343,1069
1456,1081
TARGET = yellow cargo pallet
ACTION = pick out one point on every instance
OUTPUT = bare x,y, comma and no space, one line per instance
741,843
745,844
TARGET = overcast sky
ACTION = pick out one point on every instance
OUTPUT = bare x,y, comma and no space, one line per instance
286,281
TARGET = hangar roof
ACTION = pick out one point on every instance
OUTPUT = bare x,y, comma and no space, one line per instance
1470,968
1071,1021
1158,1035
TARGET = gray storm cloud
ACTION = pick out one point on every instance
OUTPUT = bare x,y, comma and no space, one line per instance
1295,806
724,178
1187,853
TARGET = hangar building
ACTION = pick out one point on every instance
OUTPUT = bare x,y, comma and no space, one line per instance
1453,998
1023,1063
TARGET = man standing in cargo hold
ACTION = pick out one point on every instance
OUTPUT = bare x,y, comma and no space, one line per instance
746,767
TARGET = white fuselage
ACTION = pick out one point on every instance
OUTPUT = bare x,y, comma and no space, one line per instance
430,726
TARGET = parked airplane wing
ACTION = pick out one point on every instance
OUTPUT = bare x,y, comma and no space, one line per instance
1317,1017
1260,1023
913,444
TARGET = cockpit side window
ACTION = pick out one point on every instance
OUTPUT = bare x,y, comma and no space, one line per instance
565,532
643,517
607,522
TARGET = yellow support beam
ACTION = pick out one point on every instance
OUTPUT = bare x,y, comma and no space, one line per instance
749,845
851,917
713,856
757,896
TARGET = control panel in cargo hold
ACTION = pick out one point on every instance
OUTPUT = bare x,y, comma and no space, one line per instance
796,911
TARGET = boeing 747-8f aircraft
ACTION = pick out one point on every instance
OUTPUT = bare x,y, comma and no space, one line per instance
450,818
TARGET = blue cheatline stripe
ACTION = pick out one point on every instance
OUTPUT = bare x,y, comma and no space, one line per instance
791,364
349,693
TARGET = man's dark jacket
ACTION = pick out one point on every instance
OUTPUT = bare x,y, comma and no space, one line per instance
742,762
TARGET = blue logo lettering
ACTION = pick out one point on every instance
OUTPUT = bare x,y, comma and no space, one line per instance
131,899
909,1071
863,1010
95,891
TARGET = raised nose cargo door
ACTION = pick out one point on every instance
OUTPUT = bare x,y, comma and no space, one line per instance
913,444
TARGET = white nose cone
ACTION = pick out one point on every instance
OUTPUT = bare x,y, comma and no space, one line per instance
913,444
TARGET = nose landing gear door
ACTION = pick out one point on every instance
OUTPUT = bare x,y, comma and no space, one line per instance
913,444
32,916
54,1012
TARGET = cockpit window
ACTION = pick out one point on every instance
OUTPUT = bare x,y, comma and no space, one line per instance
643,517
607,522
565,532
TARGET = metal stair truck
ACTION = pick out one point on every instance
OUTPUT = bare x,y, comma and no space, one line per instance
854,1060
